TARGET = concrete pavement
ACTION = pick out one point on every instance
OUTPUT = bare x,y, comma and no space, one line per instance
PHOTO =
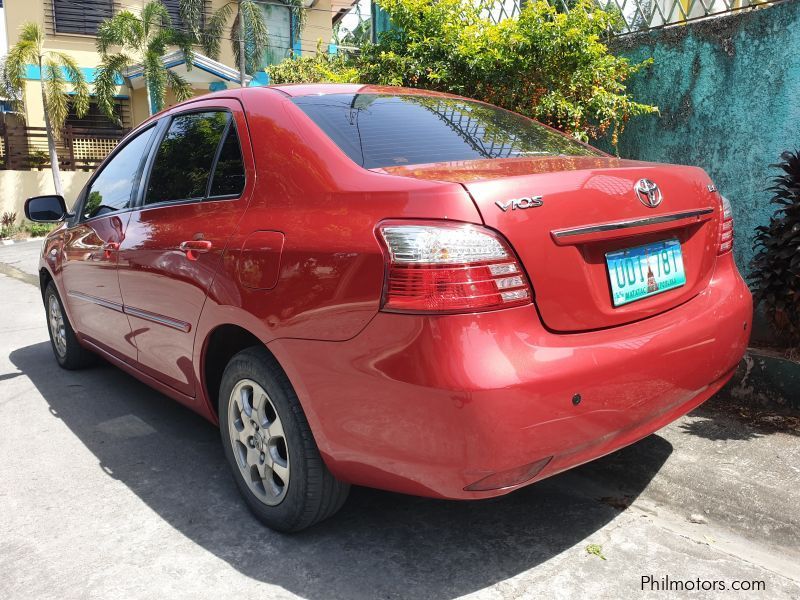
22,257
108,488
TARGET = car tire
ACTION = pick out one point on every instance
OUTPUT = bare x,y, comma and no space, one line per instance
270,447
67,349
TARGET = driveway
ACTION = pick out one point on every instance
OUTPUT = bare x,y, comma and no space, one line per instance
109,489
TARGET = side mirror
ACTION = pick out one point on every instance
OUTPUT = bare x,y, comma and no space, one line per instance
46,209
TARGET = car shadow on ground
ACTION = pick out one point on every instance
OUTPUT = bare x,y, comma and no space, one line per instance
380,544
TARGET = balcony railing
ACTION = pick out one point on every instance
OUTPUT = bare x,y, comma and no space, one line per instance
78,148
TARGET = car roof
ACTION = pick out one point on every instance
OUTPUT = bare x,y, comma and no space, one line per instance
297,90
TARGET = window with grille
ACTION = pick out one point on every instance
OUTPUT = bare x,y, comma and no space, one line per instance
95,119
174,10
81,16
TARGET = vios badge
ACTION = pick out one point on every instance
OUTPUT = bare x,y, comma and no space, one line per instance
521,203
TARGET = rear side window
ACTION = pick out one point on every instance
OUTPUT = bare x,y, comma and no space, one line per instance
112,188
188,154
229,173
379,130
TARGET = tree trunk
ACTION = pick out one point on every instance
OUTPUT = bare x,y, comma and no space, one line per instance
149,97
51,142
242,57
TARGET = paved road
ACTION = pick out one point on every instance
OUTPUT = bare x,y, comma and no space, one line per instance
23,256
108,489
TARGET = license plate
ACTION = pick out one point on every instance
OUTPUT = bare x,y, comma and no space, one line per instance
645,271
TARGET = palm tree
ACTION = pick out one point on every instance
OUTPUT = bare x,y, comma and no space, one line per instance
248,33
56,70
144,40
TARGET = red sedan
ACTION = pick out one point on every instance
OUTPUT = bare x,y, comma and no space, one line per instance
394,288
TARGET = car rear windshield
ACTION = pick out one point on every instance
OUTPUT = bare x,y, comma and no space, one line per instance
380,130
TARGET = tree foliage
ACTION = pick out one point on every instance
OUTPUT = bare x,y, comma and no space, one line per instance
224,23
549,65
126,40
57,73
320,68
776,265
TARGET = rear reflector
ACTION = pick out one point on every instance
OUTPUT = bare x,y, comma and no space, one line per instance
444,267
725,228
505,479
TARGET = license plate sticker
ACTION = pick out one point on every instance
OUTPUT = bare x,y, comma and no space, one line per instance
645,271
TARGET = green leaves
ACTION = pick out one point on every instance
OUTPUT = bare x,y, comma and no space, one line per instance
211,36
155,17
105,84
256,35
547,65
127,39
55,94
125,29
775,268
59,72
319,68
179,86
21,54
80,88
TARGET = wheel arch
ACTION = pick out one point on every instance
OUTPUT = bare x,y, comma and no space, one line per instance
221,344
45,277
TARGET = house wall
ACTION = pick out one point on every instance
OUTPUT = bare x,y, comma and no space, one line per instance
318,27
82,47
16,186
728,91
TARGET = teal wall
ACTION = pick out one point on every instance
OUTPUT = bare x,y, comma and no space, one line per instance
729,93
380,21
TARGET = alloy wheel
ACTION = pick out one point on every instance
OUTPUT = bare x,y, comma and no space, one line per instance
259,442
57,329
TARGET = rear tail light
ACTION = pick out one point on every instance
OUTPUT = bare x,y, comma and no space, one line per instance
442,267
725,228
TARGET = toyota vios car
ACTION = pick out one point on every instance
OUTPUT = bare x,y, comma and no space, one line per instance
394,288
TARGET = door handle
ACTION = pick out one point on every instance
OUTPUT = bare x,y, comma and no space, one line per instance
108,248
195,247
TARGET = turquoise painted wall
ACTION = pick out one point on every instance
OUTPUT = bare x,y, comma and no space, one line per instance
729,93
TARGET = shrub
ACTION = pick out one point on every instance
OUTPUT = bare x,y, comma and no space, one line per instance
776,265
38,159
548,65
38,229
321,68
7,227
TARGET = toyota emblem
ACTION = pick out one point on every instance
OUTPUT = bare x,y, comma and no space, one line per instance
648,193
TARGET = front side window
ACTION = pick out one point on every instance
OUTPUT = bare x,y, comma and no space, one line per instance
81,16
112,188
185,157
385,130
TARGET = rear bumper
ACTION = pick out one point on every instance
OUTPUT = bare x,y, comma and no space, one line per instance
430,405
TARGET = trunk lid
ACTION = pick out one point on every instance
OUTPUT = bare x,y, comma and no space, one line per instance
589,207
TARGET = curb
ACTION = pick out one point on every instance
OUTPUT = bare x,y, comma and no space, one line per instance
12,242
767,380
